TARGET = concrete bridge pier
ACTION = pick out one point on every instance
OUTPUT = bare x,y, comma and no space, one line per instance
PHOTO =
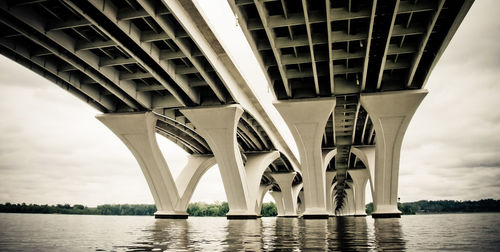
333,202
306,120
330,192
254,169
190,176
278,200
349,204
137,132
263,189
367,155
390,113
289,193
301,208
218,125
360,178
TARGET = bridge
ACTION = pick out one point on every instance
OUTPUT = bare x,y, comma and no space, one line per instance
347,77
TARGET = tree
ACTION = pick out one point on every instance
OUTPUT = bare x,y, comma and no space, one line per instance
268,209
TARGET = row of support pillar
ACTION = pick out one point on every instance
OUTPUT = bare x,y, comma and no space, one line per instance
286,199
306,120
217,125
390,113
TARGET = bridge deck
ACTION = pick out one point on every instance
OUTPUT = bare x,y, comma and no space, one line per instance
310,49
121,56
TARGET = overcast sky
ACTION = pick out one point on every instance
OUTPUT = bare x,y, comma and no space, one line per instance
53,150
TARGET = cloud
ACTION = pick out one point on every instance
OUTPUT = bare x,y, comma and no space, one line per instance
452,146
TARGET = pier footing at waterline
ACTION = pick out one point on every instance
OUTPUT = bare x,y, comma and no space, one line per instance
386,215
241,217
315,216
171,216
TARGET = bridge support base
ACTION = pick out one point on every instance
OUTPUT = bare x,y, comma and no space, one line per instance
349,208
360,179
390,113
330,191
386,215
218,126
288,196
171,216
315,216
307,129
242,217
137,132
263,189
278,201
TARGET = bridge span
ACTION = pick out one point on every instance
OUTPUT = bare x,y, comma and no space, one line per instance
347,77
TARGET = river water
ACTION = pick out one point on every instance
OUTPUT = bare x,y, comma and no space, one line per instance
455,232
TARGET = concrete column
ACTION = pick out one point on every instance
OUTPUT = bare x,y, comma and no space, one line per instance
190,176
296,189
333,204
360,178
390,113
349,206
278,200
263,189
254,169
302,206
217,125
289,196
367,155
137,131
327,157
306,120
342,211
330,175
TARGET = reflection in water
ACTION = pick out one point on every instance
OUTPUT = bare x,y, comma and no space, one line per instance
361,231
36,232
348,234
164,234
313,234
284,233
334,234
244,235
388,235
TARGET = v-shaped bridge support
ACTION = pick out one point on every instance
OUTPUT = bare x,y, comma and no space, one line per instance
137,131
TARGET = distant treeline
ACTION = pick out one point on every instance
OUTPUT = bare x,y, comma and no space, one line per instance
445,206
125,209
194,209
268,209
221,209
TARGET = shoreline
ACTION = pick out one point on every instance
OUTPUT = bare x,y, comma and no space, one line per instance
191,216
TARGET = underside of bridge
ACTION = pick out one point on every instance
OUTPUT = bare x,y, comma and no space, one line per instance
342,49
136,56
338,70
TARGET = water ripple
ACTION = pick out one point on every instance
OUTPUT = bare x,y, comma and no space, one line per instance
457,232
